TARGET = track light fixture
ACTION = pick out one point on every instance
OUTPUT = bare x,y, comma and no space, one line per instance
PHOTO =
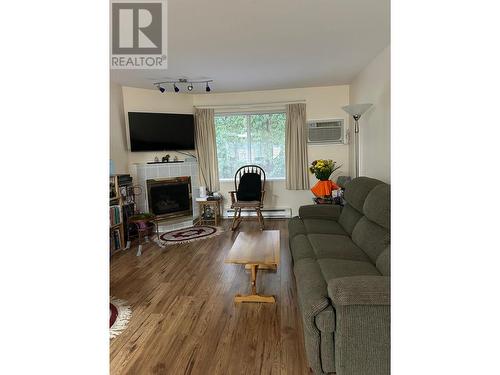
188,84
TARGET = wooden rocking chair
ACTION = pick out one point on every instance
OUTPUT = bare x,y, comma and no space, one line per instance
249,184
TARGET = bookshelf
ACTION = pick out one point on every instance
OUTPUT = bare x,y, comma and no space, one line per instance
116,228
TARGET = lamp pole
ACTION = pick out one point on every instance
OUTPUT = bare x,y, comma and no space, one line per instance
356,110
356,142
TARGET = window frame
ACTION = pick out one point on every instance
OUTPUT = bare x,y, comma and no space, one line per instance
249,113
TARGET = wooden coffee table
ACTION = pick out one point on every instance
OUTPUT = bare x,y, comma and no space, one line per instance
256,250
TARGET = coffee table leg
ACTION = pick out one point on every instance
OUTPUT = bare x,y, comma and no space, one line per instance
254,297
254,279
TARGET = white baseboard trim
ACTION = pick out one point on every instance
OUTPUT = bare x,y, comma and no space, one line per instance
270,213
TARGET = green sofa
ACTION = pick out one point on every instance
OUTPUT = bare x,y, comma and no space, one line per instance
341,262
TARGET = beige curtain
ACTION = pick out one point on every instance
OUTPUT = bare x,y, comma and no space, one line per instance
206,148
297,176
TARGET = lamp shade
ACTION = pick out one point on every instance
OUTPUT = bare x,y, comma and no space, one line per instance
357,109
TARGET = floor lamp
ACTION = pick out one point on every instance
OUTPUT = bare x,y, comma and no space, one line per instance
356,110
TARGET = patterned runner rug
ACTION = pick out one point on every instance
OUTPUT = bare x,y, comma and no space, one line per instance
190,234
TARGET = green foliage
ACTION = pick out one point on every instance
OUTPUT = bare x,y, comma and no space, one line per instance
251,139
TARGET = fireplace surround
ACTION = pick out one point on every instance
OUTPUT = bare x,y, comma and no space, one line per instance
170,197
142,172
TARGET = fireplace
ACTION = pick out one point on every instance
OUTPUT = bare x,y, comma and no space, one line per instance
170,197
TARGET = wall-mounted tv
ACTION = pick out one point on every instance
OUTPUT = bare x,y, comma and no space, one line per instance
160,131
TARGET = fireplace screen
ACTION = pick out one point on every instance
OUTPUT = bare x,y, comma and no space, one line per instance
170,197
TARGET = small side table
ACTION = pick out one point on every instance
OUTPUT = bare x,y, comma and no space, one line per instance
145,225
215,206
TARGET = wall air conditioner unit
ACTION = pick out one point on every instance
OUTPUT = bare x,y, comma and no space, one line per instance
326,131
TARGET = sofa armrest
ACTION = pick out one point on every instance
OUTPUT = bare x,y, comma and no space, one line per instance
320,211
362,325
360,290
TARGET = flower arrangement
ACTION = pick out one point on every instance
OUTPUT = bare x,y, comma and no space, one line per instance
323,168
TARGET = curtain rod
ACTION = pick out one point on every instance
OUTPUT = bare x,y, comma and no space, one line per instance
249,105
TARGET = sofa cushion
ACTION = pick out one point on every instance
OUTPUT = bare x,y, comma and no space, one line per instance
357,191
335,246
334,268
301,248
323,226
370,237
311,289
384,262
349,218
377,205
296,226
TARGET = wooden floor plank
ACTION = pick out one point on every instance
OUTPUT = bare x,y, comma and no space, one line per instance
184,319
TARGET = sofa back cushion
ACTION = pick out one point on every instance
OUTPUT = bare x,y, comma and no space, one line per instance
370,237
358,189
384,262
349,217
355,195
367,214
377,206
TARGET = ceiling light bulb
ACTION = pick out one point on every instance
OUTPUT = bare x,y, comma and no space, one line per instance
162,90
190,87
176,89
207,89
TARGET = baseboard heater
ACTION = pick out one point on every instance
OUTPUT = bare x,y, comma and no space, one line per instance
271,213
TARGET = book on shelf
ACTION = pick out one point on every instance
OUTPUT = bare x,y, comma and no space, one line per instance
116,240
115,214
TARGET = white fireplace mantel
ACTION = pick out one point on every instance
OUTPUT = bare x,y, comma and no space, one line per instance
145,172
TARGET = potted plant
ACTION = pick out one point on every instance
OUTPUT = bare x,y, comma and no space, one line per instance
323,169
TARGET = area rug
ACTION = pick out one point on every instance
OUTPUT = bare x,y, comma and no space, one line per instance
119,316
190,234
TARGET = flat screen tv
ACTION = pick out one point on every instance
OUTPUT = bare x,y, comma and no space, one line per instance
160,131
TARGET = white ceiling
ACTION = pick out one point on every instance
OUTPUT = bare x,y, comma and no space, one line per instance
246,45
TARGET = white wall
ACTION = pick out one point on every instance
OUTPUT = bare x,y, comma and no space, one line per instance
117,139
143,100
321,103
373,85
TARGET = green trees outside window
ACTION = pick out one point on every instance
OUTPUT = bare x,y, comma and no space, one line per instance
255,138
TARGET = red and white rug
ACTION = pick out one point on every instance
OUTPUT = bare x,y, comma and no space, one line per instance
119,316
190,234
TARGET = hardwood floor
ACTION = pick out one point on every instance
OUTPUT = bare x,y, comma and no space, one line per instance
185,321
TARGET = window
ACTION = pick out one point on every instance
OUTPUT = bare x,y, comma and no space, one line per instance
255,138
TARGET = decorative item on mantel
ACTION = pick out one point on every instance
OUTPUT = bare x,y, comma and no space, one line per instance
323,169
